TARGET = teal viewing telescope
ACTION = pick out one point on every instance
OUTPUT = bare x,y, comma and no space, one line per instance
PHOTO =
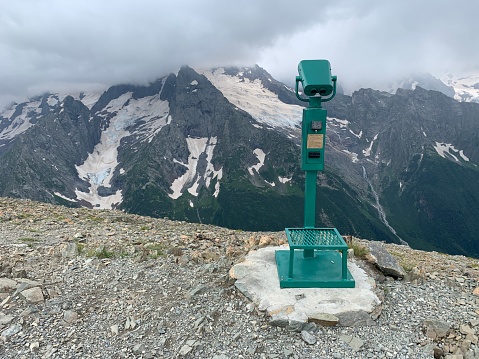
315,76
319,264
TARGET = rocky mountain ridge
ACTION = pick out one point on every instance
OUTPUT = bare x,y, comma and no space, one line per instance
220,146
89,283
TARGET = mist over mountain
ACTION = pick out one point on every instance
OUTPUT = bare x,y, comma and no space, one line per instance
221,146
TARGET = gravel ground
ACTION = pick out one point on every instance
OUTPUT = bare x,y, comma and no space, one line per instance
77,283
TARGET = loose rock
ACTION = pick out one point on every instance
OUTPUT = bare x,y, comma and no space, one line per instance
324,319
7,285
33,295
436,328
385,261
70,316
12,330
185,349
308,337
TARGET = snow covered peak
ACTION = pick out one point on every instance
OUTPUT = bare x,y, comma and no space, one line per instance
466,87
424,80
252,96
17,119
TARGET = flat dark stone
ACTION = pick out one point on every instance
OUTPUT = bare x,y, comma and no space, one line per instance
386,263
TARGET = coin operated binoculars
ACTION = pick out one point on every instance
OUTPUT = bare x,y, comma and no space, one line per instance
315,77
317,82
313,259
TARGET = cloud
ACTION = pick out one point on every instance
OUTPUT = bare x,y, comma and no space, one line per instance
375,41
52,45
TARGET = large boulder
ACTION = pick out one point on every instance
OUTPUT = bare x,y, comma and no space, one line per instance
385,261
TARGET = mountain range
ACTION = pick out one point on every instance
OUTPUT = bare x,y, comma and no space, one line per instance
222,146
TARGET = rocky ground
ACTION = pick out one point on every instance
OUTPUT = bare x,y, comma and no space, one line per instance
77,283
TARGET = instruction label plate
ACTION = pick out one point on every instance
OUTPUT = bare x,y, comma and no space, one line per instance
315,141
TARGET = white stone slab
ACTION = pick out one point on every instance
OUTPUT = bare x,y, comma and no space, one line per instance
257,278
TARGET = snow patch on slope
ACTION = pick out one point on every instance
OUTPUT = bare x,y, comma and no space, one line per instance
285,179
341,127
98,170
367,151
196,146
251,96
58,194
357,135
149,113
446,149
343,124
191,180
260,155
352,155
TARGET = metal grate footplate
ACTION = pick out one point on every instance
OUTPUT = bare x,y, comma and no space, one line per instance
314,237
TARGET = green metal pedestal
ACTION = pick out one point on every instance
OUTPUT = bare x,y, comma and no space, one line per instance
327,268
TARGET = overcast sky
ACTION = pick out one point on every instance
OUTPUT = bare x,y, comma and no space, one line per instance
61,45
